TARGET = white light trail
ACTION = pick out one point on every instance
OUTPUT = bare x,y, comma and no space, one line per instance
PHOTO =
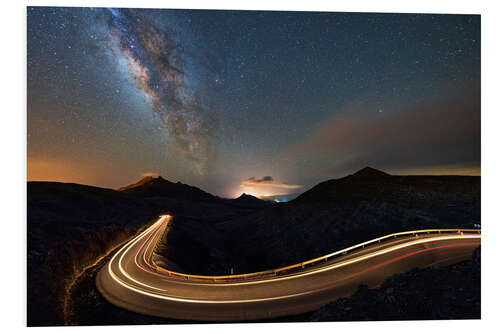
123,252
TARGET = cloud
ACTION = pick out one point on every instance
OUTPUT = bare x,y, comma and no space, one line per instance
442,130
265,179
267,186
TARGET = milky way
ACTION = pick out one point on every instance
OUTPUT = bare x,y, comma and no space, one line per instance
221,99
155,62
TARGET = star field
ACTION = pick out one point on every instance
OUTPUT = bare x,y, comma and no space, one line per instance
213,98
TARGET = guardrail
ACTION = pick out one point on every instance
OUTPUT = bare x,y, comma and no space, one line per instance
308,263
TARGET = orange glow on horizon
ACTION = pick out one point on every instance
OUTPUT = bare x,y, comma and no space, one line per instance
86,172
57,171
438,171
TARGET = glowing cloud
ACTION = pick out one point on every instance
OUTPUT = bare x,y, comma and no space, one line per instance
266,186
150,174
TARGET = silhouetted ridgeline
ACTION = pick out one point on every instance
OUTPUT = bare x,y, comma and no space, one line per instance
160,187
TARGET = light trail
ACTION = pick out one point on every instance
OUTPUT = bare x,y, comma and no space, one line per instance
132,268
127,248
371,255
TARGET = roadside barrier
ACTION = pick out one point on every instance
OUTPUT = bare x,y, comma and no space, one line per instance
312,262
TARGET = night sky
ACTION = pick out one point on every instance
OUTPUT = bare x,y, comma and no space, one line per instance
249,101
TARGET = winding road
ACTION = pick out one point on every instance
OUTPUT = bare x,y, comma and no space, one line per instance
133,281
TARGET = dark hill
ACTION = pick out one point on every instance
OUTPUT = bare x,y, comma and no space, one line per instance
369,183
74,202
247,198
369,173
249,201
159,187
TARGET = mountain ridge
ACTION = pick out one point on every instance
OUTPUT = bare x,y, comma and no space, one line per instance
160,187
369,172
369,182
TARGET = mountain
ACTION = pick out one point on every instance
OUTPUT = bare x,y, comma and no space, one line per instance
369,173
372,184
159,187
141,182
247,198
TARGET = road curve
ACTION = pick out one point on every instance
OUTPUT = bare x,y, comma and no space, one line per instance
133,281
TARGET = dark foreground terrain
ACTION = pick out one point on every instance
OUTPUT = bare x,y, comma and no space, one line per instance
71,227
451,292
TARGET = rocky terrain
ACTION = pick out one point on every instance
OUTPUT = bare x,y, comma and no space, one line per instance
69,227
